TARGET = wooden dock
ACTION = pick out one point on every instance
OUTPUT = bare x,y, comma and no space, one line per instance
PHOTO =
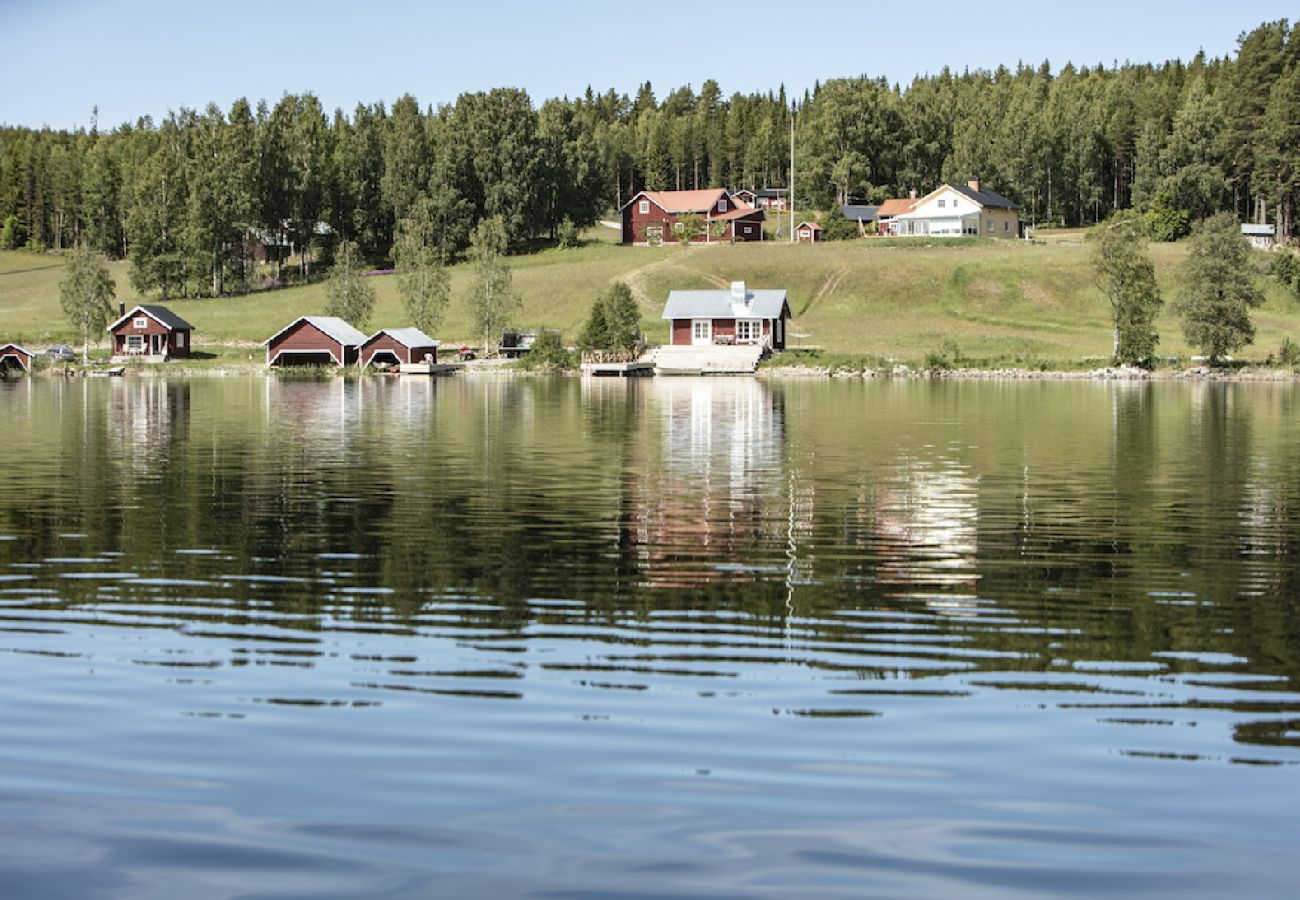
636,369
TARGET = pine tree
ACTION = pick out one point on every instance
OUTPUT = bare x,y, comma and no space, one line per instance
1127,278
349,295
1218,289
622,317
86,294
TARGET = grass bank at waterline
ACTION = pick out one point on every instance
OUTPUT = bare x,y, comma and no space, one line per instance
989,303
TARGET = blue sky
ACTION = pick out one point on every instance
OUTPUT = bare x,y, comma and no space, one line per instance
134,57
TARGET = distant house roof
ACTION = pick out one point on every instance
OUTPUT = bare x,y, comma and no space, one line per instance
407,337
860,213
683,201
894,207
1258,230
738,302
161,314
770,193
331,326
986,199
813,225
6,347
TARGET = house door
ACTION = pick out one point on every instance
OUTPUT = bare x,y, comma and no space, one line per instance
701,332
156,342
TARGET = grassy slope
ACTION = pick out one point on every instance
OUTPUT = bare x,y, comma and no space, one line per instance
995,300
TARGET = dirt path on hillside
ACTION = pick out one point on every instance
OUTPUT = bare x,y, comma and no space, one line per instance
829,286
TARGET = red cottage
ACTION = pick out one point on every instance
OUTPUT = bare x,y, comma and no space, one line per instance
399,346
735,316
655,217
153,333
14,357
808,232
314,341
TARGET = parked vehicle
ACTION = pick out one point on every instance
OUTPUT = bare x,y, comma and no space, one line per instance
60,353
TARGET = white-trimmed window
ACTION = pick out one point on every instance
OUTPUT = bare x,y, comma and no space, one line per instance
749,229
139,322
722,204
644,207
180,339
942,203
990,225
134,343
678,226
748,329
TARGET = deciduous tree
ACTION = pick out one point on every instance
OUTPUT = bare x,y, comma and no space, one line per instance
86,294
1218,288
1127,279
349,295
491,297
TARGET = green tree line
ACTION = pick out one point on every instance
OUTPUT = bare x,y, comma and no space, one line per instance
185,197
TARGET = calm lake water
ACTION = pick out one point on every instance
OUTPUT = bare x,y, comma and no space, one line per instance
659,638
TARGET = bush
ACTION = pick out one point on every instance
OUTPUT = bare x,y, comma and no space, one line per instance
548,353
1164,222
838,228
1286,269
566,234
12,235
948,356
1289,353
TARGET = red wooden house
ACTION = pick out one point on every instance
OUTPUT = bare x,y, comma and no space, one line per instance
14,357
655,217
154,333
398,346
314,340
735,316
808,232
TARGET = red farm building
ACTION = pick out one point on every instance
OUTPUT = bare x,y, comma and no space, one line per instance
655,217
152,333
735,316
314,340
399,346
808,232
14,357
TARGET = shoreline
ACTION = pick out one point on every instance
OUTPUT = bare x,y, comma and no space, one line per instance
1245,375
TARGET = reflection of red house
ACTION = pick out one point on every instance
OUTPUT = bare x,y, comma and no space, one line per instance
655,217
12,356
151,331
398,346
314,340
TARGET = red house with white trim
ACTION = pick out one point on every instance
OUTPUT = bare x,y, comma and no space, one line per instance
655,217
398,346
808,232
314,341
154,333
734,316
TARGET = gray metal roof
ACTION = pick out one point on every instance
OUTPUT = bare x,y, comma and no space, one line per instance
987,199
161,314
331,326
1259,230
407,337
859,213
725,305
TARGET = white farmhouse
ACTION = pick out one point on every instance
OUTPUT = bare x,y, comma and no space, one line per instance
956,210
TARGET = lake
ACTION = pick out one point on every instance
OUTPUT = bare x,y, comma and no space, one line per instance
549,637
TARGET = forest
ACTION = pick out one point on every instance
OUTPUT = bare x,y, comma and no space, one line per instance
189,199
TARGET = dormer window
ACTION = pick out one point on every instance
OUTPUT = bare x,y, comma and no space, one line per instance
140,322
722,205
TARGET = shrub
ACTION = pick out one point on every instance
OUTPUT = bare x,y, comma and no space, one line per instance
548,353
1289,353
12,235
566,234
838,228
1164,222
946,357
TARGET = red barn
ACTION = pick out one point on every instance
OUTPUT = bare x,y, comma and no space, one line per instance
655,217
735,316
399,346
314,340
153,332
14,357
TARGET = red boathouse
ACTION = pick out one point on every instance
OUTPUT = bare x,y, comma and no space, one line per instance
399,346
314,341
735,316
14,357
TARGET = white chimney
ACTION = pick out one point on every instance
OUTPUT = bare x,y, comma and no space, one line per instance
739,294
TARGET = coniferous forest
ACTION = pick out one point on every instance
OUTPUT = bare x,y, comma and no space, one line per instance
184,198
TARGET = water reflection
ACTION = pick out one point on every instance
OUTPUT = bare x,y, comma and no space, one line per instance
696,605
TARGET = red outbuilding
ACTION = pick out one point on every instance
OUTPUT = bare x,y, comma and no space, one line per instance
314,340
808,232
655,217
399,346
14,357
154,333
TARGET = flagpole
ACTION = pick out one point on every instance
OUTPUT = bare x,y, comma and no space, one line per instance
792,176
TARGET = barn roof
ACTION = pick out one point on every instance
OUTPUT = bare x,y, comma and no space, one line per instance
20,349
808,224
407,337
683,201
728,304
161,314
331,326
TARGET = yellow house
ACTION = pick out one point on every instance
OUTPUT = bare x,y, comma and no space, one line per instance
956,210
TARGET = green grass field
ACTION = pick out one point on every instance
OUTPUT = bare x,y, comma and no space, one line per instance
998,302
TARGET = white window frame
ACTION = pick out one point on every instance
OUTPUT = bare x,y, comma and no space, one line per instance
644,207
135,343
942,203
749,330
722,204
678,227
749,229
140,322
992,225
